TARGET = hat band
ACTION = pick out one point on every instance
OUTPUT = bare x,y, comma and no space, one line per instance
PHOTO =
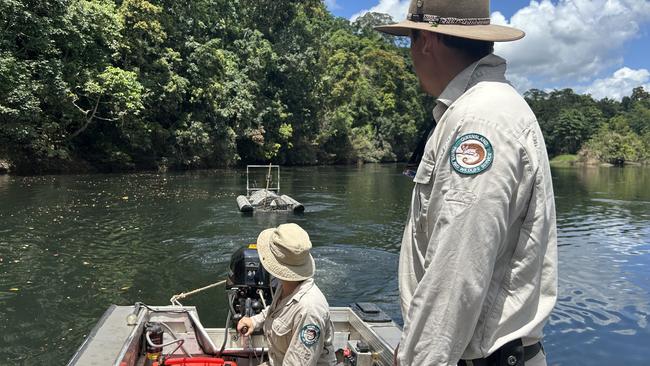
434,19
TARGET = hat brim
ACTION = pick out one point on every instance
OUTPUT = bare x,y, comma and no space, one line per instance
490,32
277,269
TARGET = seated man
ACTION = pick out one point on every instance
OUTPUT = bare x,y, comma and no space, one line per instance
297,324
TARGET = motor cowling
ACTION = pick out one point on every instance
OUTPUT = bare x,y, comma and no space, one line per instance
247,284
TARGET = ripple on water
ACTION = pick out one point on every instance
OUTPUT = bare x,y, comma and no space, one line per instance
603,275
344,281
73,245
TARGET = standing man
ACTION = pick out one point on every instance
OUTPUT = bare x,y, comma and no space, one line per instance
478,264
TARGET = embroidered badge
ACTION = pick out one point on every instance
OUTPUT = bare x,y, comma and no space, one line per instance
309,334
471,154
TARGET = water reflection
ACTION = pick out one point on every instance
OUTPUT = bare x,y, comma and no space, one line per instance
604,231
4,182
72,245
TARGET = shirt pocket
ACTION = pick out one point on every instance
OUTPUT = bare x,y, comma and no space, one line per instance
457,201
422,195
281,335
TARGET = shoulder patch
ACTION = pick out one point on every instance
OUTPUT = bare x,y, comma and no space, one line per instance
309,334
471,154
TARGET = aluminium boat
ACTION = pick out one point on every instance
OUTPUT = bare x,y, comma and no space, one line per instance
144,335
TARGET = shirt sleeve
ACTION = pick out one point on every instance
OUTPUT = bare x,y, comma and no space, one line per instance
259,319
308,341
477,206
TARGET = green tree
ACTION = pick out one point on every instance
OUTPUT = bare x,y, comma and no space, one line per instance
138,84
114,96
47,50
640,95
142,31
609,107
639,118
638,112
615,143
567,119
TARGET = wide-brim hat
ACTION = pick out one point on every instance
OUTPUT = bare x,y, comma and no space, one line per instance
460,18
284,252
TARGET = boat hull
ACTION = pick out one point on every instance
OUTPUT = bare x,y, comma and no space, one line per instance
114,342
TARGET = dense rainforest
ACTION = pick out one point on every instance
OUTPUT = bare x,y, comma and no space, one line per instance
123,85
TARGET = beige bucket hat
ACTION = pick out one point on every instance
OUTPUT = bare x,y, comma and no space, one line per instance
459,18
284,252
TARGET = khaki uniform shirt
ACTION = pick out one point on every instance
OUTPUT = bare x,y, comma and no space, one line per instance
478,263
298,328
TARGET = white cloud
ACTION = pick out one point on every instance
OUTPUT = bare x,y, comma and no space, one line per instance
619,85
395,8
572,41
520,83
568,43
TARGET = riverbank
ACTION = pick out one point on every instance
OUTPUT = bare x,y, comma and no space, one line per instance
566,160
570,160
73,167
81,167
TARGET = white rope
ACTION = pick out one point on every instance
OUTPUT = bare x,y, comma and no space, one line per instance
182,295
268,183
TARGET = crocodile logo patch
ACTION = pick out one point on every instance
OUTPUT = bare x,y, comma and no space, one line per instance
309,334
471,154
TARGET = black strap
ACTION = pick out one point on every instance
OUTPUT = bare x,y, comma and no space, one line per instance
416,157
532,351
509,354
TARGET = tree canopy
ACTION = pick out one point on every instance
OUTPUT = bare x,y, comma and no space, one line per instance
113,85
600,131
137,84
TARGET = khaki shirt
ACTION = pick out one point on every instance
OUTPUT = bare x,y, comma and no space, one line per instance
478,263
298,328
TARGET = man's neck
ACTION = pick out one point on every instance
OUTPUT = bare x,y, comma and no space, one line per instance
288,287
448,71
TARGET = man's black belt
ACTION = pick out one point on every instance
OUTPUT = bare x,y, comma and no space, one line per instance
510,354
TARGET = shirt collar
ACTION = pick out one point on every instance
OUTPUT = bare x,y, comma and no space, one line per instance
489,68
302,289
297,294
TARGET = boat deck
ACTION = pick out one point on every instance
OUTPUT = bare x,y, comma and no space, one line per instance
114,342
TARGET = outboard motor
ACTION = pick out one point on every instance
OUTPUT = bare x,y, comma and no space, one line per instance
248,284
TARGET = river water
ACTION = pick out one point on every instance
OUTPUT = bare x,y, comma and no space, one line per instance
72,245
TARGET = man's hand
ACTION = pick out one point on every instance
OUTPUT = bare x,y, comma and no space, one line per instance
245,326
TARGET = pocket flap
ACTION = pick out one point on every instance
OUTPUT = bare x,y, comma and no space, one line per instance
456,195
425,171
280,328
458,201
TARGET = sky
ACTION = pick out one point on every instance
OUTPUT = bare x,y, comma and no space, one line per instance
600,47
